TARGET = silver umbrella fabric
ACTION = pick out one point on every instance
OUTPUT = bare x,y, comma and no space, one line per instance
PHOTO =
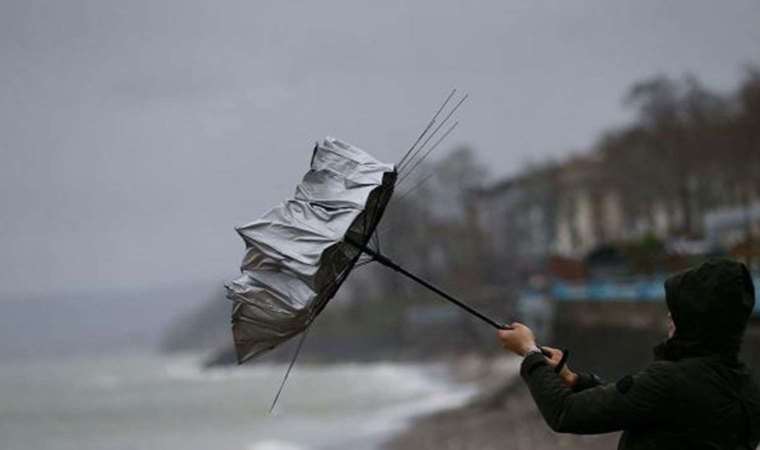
298,254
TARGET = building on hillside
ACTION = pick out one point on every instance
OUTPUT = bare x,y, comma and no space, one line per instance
575,208
590,213
516,217
728,227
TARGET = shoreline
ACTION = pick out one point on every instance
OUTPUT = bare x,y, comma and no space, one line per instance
500,415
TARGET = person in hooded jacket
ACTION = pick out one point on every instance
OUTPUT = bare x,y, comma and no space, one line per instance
697,394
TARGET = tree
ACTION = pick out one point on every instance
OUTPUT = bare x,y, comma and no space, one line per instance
678,127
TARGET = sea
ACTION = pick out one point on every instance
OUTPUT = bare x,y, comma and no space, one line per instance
155,402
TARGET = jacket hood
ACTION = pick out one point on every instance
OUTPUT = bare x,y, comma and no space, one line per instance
710,306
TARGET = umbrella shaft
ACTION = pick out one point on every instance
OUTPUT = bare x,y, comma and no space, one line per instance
382,259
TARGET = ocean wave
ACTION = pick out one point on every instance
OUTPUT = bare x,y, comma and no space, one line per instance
344,406
394,418
405,378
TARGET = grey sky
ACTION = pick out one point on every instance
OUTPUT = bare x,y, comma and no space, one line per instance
134,135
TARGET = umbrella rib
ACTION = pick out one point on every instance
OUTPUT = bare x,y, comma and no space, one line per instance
375,233
363,259
427,128
417,185
398,199
363,263
430,136
374,238
395,200
379,209
290,367
406,175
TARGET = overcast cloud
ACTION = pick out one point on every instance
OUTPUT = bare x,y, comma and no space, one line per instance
134,135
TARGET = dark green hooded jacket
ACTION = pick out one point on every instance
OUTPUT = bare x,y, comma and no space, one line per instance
695,395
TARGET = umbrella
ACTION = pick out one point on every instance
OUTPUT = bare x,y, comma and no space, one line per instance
299,253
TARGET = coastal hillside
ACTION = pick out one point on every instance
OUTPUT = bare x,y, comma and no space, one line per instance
350,330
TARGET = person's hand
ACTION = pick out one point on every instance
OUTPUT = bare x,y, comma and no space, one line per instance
553,358
519,339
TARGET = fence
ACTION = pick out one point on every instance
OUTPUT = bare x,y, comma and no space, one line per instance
637,290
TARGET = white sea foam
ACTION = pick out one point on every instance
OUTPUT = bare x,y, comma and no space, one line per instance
173,403
106,381
273,444
396,417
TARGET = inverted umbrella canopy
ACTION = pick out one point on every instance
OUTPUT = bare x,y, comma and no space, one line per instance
299,254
